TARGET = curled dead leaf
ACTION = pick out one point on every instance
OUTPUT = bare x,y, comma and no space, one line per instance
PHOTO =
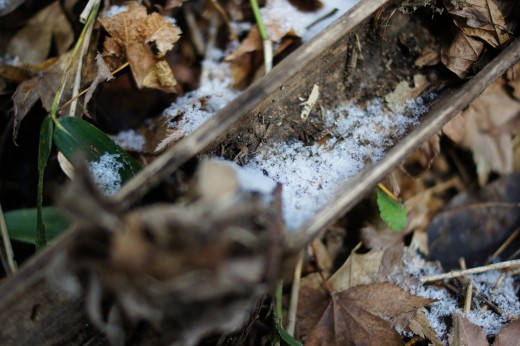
462,53
144,40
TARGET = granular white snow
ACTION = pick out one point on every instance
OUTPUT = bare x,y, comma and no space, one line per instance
130,140
311,175
114,11
105,173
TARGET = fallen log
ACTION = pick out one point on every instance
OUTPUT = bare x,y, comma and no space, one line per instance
32,308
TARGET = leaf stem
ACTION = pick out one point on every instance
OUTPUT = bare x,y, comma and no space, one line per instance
59,92
267,44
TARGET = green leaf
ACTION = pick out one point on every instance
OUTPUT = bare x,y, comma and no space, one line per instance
22,223
392,212
286,337
44,151
73,135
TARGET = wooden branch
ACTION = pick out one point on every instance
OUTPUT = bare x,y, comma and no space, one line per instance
445,109
32,309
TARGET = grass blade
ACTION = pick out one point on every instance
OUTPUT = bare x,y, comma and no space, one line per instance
21,223
44,151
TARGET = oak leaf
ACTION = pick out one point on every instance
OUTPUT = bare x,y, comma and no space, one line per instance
361,315
465,333
144,40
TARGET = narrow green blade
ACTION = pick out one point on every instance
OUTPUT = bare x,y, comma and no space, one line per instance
22,223
44,151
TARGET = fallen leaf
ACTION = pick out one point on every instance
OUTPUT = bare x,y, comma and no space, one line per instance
462,53
144,40
48,27
361,315
480,221
42,87
421,326
103,74
509,335
465,333
396,100
358,269
475,128
488,20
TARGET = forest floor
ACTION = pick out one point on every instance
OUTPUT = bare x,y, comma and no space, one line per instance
205,257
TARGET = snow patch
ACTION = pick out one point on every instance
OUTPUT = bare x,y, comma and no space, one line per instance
130,140
311,175
105,173
280,17
114,11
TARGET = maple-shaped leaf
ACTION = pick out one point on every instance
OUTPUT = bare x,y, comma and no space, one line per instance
144,40
465,333
509,335
361,315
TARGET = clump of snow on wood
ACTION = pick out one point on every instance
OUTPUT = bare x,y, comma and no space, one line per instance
115,10
105,173
252,180
130,140
193,109
310,175
281,17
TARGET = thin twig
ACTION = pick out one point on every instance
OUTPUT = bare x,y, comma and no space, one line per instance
9,254
477,270
84,91
295,291
508,242
84,47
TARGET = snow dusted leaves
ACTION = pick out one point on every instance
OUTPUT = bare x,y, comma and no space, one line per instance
144,40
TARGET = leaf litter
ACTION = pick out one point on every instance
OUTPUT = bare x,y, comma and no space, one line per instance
262,171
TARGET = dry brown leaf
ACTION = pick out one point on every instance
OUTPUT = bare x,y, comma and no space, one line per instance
465,333
463,52
396,100
420,325
171,4
42,87
33,42
361,315
475,128
487,20
357,270
509,335
103,75
144,40
431,148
